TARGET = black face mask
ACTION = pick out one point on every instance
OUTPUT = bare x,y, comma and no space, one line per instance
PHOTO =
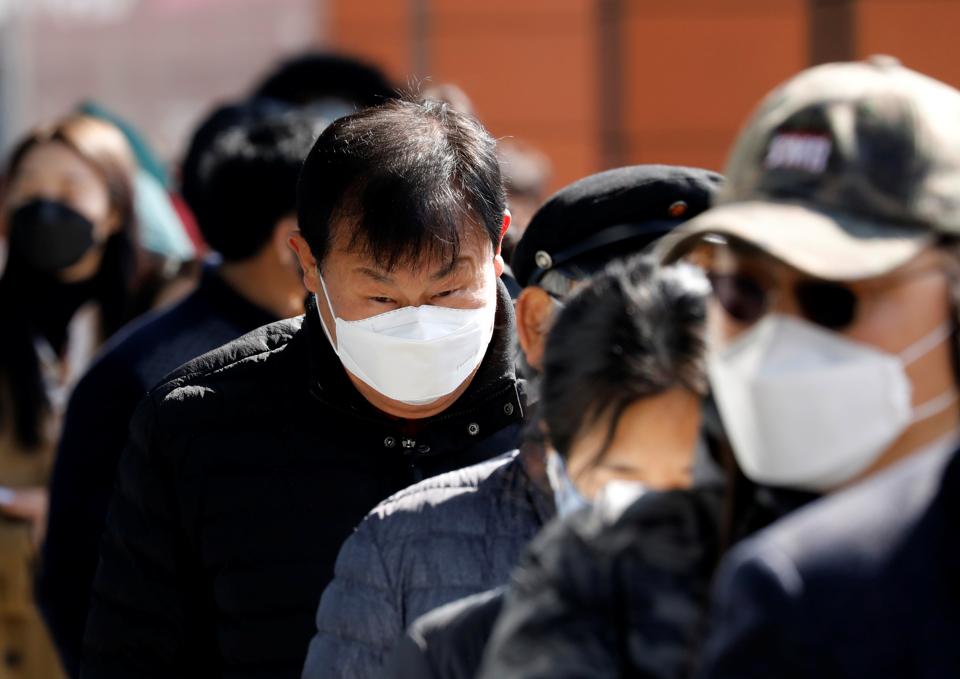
48,235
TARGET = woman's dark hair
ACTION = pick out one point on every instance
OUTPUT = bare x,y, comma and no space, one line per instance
408,176
104,148
634,331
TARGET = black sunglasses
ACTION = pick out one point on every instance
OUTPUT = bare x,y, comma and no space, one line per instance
746,299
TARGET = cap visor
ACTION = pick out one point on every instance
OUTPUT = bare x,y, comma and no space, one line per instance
823,244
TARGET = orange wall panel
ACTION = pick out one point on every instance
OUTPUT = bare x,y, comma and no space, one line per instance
921,33
690,70
531,76
693,71
529,67
378,30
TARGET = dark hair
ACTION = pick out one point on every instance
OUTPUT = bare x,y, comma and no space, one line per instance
634,331
408,175
217,121
247,180
314,76
103,146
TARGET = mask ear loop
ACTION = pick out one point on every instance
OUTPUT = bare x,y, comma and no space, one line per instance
326,296
927,343
951,257
918,350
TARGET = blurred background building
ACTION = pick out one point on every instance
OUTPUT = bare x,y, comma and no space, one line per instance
593,83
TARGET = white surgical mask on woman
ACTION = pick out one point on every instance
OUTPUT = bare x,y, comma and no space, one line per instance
415,355
567,498
810,409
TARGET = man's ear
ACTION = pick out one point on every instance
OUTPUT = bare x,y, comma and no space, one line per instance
283,231
308,263
534,312
498,263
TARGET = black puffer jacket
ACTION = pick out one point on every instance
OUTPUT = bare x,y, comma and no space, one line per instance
595,598
442,539
246,471
448,642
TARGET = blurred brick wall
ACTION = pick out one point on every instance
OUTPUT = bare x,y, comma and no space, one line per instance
921,33
671,82
528,65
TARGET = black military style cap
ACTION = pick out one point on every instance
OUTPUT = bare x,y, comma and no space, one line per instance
609,215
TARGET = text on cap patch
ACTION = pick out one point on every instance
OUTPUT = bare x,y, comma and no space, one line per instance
799,151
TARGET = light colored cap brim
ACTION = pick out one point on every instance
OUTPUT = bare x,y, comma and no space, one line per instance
823,244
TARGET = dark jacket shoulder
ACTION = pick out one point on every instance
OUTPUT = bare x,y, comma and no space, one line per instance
647,567
852,530
862,583
237,380
447,643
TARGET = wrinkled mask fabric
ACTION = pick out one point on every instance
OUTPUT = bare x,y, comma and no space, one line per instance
807,408
415,355
567,498
49,236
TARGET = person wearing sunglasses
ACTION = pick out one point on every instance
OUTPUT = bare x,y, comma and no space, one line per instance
833,256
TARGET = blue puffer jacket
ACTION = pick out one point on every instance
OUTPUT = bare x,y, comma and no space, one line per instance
445,538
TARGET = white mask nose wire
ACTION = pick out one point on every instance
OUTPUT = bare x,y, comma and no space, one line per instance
323,324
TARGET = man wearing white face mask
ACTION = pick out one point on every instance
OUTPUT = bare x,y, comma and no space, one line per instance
426,537
248,467
834,261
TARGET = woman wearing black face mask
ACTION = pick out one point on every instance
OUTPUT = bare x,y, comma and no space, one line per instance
67,213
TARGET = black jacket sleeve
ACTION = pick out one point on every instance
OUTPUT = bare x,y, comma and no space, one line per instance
448,642
94,436
147,612
753,596
555,623
599,599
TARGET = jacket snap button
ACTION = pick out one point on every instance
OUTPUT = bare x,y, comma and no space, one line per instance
508,409
408,443
473,429
389,442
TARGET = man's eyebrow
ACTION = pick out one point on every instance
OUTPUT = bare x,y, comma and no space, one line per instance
378,276
449,268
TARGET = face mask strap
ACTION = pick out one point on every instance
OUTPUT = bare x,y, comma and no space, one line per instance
917,350
926,344
326,296
934,406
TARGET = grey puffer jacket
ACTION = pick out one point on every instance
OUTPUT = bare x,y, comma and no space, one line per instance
440,540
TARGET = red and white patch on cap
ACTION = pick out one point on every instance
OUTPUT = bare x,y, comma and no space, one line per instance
805,151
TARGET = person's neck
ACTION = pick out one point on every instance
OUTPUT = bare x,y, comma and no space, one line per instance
917,438
264,282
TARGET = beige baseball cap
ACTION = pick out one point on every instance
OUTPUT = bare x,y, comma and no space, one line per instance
846,171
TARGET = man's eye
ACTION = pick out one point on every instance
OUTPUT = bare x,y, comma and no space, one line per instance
445,293
381,300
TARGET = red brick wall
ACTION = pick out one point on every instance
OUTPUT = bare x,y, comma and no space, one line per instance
689,71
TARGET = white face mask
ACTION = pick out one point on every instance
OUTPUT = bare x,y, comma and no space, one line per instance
415,355
566,496
807,408
615,495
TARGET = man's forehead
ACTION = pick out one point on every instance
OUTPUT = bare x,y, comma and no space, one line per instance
435,269
436,258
